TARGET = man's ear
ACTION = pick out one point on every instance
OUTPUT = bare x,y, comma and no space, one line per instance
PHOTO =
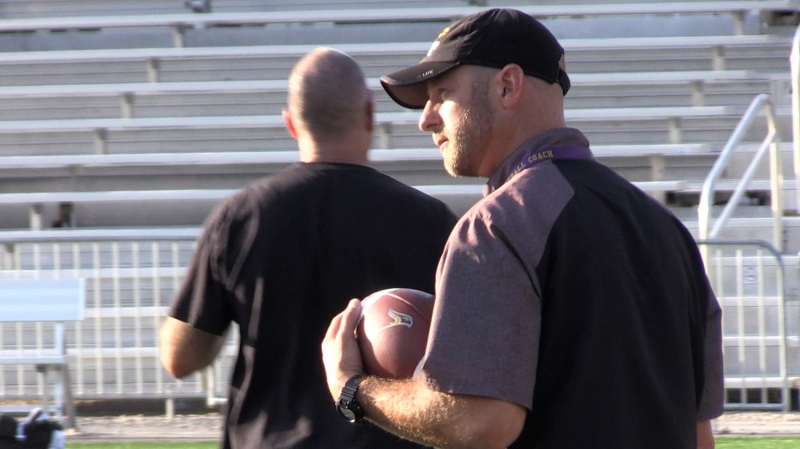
512,81
287,119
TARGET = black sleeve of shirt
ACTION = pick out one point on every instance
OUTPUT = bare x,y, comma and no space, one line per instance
204,298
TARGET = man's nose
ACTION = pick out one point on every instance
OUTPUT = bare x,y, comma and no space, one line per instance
430,120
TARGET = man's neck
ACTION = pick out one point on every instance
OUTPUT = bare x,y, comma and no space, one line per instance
332,155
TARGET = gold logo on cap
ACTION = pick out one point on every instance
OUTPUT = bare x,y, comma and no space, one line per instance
443,33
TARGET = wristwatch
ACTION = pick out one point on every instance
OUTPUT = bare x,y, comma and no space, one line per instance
347,404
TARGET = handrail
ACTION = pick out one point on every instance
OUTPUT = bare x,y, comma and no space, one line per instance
768,247
99,235
794,60
770,142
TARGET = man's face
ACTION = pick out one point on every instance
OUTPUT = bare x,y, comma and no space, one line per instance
459,116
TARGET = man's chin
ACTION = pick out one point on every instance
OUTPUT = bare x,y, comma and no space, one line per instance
457,165
449,167
458,172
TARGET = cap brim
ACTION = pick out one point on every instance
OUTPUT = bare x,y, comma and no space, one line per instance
408,87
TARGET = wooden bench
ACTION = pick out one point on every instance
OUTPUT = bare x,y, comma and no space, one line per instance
53,301
178,23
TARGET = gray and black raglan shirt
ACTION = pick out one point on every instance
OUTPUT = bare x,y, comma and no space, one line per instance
569,291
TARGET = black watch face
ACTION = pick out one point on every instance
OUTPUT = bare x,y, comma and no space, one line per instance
347,413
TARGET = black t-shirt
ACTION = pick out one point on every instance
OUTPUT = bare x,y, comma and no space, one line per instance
281,258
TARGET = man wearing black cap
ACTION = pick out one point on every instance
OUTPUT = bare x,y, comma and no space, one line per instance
572,310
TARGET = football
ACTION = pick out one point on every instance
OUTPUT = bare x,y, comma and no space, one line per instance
393,330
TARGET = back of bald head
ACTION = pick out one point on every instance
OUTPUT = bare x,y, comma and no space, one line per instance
327,93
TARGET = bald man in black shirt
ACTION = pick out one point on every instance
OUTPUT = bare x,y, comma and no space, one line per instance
285,254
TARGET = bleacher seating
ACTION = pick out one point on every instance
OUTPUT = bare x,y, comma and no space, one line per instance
268,96
226,98
764,53
399,13
146,103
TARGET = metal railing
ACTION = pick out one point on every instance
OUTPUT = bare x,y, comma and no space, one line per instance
771,143
131,277
754,352
748,279
794,60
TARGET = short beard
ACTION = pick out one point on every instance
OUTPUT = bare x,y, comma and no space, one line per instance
473,132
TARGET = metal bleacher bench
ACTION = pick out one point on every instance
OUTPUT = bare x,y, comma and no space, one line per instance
180,22
127,92
271,161
385,122
47,301
147,161
153,60
445,192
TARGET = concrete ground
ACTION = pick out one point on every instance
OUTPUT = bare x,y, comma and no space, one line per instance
208,426
758,423
193,427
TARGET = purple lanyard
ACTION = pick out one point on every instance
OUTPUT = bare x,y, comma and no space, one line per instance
554,153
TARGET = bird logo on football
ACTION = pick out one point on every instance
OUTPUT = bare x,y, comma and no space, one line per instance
392,331
399,319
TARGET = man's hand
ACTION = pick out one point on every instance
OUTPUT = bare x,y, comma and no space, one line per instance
340,352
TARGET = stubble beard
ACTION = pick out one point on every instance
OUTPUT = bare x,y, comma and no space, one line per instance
471,135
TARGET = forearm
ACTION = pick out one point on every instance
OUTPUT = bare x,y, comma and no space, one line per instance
705,435
408,407
411,410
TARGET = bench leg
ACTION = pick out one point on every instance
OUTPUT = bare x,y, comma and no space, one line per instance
44,381
70,420
62,396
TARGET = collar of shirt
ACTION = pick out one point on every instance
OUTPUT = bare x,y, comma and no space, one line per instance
550,139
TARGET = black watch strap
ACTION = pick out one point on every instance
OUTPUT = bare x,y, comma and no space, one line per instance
347,404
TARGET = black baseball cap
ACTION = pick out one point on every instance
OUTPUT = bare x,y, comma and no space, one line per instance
491,38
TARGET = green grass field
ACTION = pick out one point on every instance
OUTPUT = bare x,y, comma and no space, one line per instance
208,445
722,443
757,443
